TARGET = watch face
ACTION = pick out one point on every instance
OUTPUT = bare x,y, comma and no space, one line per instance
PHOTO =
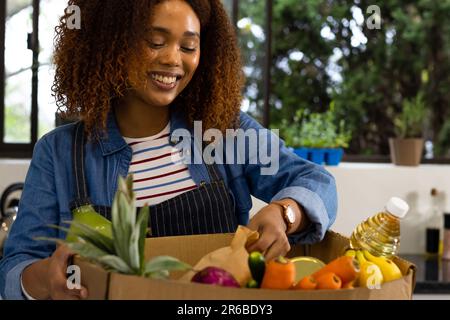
290,214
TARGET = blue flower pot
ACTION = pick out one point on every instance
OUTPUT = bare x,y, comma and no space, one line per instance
334,156
301,152
317,155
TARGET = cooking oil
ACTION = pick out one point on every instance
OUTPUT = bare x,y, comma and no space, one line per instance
87,216
380,234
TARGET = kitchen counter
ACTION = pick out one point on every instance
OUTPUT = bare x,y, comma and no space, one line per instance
432,274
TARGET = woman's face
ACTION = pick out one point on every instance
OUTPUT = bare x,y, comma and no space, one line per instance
171,52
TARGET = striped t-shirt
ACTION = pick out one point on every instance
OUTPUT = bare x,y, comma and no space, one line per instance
158,170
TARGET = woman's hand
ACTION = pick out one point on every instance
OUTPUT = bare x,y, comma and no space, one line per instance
47,279
273,240
269,222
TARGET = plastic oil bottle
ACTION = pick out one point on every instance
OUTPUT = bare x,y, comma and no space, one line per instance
380,234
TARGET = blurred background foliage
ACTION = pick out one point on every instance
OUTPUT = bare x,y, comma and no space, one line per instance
323,51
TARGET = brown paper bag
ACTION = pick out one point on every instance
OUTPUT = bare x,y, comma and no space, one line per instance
233,258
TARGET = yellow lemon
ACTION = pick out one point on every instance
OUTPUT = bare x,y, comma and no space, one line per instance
305,266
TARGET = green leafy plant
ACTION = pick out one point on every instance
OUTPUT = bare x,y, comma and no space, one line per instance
316,130
410,121
290,131
124,252
443,139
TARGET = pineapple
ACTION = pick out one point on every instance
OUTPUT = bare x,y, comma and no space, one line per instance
124,251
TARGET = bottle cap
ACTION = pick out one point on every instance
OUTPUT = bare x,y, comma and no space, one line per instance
446,220
397,207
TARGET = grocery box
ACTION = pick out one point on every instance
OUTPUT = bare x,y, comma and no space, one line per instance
114,286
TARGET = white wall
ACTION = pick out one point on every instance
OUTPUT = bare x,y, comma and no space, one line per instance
363,190
12,171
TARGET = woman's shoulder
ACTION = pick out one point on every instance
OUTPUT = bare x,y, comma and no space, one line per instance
60,131
246,121
60,137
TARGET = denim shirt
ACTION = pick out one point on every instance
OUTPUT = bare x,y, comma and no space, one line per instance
49,189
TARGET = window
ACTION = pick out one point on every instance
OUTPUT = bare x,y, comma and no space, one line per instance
297,55
323,51
50,12
28,30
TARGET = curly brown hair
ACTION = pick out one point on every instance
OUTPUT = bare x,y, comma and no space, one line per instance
92,63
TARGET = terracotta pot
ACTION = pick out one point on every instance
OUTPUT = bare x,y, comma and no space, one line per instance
406,152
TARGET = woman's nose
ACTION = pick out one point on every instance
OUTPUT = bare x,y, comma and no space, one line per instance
171,56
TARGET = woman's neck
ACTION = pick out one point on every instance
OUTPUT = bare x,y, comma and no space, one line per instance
137,119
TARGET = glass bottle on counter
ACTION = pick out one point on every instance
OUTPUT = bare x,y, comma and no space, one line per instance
446,244
380,234
433,226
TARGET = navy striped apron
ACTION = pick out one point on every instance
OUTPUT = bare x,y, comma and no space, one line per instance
206,209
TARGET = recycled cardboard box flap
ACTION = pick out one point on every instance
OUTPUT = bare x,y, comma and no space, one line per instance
190,249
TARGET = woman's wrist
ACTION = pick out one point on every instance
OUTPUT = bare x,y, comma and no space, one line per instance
301,220
34,280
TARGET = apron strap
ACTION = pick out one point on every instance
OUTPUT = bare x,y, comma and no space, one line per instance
213,172
81,193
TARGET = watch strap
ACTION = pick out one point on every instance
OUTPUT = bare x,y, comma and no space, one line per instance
284,209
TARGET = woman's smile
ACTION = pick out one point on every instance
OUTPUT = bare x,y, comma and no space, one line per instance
165,81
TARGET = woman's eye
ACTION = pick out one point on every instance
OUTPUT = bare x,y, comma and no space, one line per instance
188,49
156,45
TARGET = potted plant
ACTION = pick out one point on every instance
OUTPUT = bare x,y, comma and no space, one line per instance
407,147
290,134
343,136
317,136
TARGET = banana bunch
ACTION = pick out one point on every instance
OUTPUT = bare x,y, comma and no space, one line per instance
374,270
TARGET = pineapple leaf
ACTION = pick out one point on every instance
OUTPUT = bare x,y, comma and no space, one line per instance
133,248
86,250
92,236
120,226
132,199
116,228
137,241
56,240
144,216
166,263
83,249
115,263
66,230
162,274
129,183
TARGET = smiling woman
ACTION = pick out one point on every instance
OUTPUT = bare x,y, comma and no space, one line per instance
120,45
136,73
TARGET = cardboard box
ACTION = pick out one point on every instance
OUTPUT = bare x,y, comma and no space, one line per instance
108,285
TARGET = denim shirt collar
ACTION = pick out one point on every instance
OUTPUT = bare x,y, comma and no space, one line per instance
112,141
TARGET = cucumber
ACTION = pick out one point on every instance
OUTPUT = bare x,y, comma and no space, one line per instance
257,265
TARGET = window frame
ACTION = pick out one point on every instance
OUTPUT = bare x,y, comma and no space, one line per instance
20,150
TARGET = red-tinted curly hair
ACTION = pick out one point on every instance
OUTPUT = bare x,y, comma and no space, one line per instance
92,63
